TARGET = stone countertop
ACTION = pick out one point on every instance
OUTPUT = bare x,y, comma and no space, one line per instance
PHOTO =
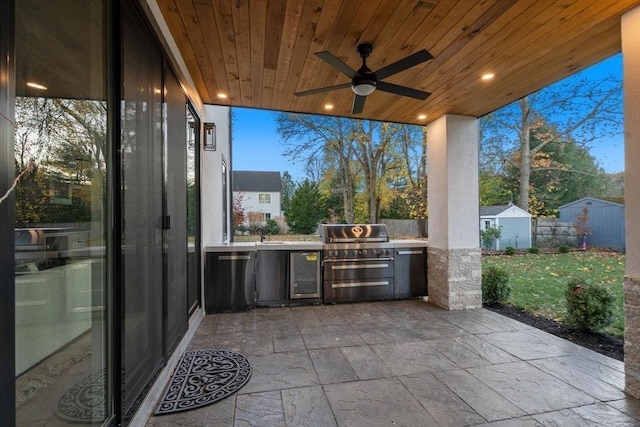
231,247
265,246
409,243
296,246
288,246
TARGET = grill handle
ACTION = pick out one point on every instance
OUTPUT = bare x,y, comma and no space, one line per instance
331,261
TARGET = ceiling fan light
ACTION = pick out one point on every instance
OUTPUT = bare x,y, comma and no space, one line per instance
363,89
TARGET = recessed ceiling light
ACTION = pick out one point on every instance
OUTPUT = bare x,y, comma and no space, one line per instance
36,86
488,76
328,106
422,116
222,95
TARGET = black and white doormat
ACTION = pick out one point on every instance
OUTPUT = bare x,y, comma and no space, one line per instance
203,377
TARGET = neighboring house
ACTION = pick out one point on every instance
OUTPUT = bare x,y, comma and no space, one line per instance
260,192
515,224
606,220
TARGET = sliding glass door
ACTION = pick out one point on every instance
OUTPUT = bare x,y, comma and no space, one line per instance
61,154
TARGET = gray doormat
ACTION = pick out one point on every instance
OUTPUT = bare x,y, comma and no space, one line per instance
84,402
203,377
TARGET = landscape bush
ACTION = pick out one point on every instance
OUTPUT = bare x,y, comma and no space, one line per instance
495,285
271,227
533,250
510,250
489,235
563,249
590,307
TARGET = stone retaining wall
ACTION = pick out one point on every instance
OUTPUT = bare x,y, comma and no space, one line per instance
550,232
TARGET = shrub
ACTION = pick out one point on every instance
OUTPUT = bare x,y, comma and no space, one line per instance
271,227
563,249
590,307
495,285
241,228
510,250
533,250
489,235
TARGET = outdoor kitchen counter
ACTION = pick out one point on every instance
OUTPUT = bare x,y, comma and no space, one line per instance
265,246
409,243
288,246
231,247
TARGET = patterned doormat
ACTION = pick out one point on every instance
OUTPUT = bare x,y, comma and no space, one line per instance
84,402
203,377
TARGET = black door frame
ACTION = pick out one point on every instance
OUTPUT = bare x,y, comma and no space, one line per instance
7,213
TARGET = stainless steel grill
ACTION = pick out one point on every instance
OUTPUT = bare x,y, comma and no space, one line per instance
357,262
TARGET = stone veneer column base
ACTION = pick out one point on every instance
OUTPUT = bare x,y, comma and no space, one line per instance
454,278
632,335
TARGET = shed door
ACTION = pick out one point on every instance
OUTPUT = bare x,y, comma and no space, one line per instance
515,233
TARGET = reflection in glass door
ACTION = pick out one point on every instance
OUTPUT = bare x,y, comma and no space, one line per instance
61,153
193,203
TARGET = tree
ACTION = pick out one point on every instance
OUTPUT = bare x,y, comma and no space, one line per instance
323,141
288,187
238,210
306,208
576,109
356,159
561,172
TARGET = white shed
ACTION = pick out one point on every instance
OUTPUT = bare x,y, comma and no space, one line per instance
514,222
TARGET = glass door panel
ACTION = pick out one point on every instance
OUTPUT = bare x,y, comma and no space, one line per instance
142,208
175,233
193,216
61,154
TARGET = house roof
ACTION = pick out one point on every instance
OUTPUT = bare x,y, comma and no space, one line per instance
590,199
257,181
259,53
487,211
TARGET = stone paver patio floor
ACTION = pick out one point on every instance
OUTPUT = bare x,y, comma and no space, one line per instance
406,363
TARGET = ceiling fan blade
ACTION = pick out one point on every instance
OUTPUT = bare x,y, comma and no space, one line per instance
358,104
402,90
336,62
403,64
323,89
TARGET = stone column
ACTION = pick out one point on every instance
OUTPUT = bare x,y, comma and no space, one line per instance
454,271
631,70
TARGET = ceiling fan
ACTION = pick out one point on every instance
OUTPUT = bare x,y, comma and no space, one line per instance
364,82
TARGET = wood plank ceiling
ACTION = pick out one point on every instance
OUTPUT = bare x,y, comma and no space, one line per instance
260,52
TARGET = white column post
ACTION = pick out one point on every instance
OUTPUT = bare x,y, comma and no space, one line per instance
454,270
630,27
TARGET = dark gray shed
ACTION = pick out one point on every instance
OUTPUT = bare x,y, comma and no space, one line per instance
605,218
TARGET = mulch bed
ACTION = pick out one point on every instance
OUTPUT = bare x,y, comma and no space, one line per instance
602,343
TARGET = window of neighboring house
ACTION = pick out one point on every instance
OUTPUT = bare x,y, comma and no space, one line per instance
264,198
267,216
487,224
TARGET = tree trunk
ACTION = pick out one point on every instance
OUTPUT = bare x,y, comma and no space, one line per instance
525,155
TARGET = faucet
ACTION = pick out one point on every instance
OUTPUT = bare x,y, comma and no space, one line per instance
261,230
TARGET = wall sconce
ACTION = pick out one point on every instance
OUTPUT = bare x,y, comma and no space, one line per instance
210,136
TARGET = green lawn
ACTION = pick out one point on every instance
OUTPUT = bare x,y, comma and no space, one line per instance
538,281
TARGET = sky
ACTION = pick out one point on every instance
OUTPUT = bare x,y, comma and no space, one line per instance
258,147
